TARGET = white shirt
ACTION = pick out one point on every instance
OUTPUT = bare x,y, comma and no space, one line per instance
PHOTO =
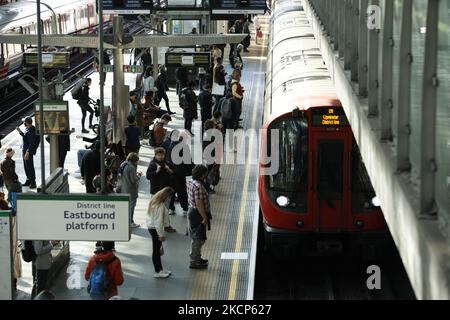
149,84
158,218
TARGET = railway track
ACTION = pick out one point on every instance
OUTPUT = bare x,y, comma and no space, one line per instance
330,278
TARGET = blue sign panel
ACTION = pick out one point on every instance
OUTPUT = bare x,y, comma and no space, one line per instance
127,6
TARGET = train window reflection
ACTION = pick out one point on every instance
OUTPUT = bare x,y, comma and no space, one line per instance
293,156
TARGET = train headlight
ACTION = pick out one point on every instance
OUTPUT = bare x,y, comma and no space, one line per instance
283,201
375,201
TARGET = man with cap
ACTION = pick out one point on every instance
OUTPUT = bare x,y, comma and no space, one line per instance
29,147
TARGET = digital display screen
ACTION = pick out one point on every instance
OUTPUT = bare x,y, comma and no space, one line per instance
237,7
127,6
329,117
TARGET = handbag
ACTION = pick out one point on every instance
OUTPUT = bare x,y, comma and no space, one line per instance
217,89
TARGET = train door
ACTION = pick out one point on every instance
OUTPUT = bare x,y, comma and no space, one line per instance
331,150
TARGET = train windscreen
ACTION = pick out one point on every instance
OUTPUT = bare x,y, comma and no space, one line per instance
292,177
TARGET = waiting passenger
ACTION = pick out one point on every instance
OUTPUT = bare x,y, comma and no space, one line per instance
104,257
90,167
188,102
160,173
41,265
160,131
199,216
156,220
132,134
8,171
129,182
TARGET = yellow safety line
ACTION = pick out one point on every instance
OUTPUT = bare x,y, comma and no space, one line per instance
237,248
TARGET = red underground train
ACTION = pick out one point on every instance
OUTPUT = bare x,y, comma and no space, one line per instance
314,191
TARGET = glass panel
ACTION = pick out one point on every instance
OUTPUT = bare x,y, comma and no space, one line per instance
330,166
398,8
418,50
443,111
293,141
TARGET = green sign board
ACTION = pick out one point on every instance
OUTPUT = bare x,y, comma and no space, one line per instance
126,68
188,59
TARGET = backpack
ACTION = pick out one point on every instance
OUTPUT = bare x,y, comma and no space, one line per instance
183,101
226,108
119,176
99,286
151,137
28,253
77,94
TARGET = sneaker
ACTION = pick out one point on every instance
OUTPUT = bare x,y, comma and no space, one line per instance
161,275
197,265
171,113
171,212
84,131
170,229
203,261
167,271
33,185
134,225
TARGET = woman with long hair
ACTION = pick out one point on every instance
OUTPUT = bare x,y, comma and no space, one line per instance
157,219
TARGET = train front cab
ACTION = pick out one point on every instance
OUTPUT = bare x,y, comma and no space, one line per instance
320,201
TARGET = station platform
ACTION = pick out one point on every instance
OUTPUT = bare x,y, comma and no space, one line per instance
231,244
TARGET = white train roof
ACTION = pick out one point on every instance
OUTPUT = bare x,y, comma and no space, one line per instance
23,13
281,6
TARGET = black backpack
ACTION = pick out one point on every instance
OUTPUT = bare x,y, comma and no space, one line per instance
28,253
77,95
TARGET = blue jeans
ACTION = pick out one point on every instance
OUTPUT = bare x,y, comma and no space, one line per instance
133,202
80,155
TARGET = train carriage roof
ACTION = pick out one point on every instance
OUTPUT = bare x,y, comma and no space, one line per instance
283,6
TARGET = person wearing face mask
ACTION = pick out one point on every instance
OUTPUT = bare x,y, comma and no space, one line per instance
160,173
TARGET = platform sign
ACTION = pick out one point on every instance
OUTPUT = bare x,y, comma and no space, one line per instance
127,6
6,278
197,59
126,68
56,117
49,60
75,217
220,9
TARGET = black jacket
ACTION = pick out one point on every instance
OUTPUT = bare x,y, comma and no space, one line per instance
160,180
206,103
90,165
190,111
84,97
29,141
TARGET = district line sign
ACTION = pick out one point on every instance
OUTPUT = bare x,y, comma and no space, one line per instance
75,217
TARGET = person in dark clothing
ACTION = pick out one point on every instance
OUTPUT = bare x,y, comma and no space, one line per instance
181,170
83,102
161,85
63,147
132,134
146,59
181,75
8,171
90,167
28,151
160,173
189,106
205,100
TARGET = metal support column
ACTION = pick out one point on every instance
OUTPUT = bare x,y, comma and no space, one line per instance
355,33
404,92
428,113
386,70
102,96
120,91
362,48
41,97
373,79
